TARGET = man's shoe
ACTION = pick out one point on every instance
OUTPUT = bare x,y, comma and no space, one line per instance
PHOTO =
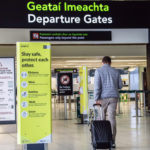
113,145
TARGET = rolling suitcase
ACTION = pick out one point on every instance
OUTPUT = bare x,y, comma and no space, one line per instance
101,132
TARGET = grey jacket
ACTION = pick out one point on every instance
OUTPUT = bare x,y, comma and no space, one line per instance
107,81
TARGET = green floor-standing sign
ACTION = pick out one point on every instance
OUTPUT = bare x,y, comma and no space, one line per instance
34,92
83,72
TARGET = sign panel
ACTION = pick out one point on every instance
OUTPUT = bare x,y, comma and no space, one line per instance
66,70
70,36
64,84
34,92
91,101
74,14
83,72
7,91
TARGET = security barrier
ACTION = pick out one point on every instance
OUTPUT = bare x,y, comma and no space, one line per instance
137,92
124,97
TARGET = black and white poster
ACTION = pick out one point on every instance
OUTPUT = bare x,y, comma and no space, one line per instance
64,84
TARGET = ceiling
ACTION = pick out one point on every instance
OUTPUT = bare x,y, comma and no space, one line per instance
74,56
95,61
98,50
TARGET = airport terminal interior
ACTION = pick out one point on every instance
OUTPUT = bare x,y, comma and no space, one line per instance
73,35
133,130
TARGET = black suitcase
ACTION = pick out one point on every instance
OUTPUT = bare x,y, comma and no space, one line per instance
101,134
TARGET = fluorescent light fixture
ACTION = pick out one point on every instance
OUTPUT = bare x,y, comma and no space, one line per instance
127,65
138,63
82,61
65,66
77,66
126,60
131,69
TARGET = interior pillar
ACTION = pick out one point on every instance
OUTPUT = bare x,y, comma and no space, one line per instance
148,71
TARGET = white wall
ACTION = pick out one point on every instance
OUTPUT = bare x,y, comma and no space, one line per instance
119,36
84,50
54,83
98,50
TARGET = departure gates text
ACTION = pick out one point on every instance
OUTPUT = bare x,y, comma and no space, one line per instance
100,9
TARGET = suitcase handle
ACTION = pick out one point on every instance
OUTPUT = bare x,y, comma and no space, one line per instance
97,105
100,111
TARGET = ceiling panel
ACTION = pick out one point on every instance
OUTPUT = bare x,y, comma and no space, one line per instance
95,62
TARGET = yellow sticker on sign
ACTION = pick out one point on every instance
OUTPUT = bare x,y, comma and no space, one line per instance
34,92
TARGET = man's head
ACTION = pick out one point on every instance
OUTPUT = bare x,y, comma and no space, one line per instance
106,60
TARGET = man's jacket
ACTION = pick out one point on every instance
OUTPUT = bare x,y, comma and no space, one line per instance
107,81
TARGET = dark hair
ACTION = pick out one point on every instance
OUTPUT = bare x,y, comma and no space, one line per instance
106,60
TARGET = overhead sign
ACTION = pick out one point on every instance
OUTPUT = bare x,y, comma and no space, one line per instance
64,84
34,92
74,14
7,91
70,36
61,70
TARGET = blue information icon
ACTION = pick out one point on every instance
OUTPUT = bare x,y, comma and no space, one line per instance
24,74
24,94
24,104
24,84
24,114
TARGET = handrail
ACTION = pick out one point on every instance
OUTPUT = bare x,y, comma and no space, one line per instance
120,91
129,91
55,93
134,91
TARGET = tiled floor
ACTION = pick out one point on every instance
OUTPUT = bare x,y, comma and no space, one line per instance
133,133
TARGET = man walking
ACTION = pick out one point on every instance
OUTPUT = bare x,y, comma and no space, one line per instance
107,81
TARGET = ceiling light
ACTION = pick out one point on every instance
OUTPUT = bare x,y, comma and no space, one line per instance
127,60
131,69
127,65
82,61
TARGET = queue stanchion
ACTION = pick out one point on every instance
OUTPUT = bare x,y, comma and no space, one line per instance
69,103
65,106
42,146
119,106
144,101
136,106
75,108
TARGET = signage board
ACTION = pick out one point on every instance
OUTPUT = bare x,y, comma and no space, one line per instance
64,84
34,92
76,14
70,36
64,70
83,73
7,91
91,100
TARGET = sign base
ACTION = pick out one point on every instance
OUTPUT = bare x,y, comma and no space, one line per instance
35,146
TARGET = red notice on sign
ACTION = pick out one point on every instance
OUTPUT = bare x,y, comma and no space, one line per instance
65,79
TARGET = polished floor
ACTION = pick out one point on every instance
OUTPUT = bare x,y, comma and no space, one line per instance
133,133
